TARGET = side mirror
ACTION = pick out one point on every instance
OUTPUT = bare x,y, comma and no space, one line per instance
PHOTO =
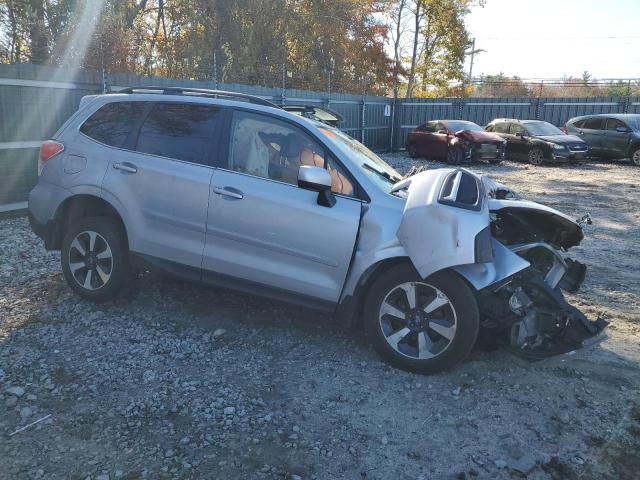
622,130
443,132
318,180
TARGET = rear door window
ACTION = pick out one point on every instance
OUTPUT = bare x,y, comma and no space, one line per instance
113,122
594,123
183,131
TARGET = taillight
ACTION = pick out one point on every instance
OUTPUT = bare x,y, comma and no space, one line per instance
48,150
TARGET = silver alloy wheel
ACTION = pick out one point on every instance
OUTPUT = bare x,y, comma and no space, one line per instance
635,157
90,260
417,320
536,157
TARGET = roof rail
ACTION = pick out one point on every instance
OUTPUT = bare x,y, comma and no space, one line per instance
204,92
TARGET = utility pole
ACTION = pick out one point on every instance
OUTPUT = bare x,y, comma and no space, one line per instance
473,53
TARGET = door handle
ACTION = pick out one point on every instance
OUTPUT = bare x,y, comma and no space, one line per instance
125,167
228,192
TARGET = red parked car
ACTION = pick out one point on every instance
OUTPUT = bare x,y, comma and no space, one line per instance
455,141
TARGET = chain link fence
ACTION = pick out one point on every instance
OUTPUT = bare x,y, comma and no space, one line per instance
36,100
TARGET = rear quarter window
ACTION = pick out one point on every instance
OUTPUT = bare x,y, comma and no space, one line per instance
113,122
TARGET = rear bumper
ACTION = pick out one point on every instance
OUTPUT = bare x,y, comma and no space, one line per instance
43,230
44,200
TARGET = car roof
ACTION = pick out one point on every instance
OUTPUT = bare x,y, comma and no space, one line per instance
267,107
621,116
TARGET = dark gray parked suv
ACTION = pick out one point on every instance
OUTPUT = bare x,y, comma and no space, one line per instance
609,135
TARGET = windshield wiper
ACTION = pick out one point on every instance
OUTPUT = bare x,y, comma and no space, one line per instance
383,174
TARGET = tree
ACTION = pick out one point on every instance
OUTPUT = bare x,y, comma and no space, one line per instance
439,41
501,86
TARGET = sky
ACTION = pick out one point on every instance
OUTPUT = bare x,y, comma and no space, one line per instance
557,38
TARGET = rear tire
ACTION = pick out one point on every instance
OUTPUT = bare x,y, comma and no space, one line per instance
635,157
535,156
411,149
95,258
436,333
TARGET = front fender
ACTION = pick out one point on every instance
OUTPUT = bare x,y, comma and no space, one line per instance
440,234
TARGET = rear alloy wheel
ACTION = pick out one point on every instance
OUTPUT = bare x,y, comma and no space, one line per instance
424,326
95,258
536,156
455,155
635,157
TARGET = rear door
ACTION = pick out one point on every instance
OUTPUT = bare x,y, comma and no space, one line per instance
615,143
264,232
422,139
162,179
591,130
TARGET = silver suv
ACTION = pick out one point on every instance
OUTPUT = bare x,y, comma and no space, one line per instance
229,189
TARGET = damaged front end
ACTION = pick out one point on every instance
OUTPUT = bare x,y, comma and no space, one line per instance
512,251
529,310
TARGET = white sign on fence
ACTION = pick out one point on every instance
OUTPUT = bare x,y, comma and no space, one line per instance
387,110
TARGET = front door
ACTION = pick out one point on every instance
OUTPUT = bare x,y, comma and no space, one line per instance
615,138
266,232
162,182
518,143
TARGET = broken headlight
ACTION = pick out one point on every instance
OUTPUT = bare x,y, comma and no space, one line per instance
463,190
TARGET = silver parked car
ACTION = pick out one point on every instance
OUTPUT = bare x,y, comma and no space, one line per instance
229,189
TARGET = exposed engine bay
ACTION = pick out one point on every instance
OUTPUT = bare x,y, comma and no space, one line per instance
529,311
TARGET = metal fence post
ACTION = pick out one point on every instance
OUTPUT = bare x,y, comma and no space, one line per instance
538,113
283,95
364,109
627,99
215,68
393,121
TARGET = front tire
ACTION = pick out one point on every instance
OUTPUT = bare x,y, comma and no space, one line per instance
535,156
411,149
424,326
95,258
635,157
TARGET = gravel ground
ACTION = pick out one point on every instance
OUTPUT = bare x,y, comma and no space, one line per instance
175,380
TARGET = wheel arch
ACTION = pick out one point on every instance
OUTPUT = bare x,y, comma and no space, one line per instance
349,310
635,145
544,148
79,206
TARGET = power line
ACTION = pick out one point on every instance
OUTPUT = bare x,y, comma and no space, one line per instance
538,37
